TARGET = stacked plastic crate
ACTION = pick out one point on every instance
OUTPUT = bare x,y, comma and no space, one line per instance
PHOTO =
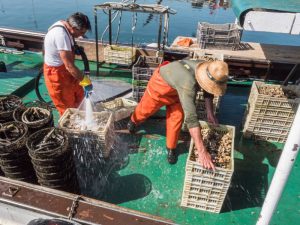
141,73
271,111
97,141
119,55
220,36
121,107
206,189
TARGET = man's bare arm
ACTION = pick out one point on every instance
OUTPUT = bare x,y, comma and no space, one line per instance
211,117
204,157
68,60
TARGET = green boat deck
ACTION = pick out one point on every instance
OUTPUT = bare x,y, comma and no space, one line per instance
142,179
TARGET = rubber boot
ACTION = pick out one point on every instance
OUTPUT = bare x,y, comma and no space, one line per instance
172,156
131,126
2,67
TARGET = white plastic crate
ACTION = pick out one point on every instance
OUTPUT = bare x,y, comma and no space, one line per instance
145,66
206,189
220,36
138,92
282,103
121,107
142,71
97,141
119,55
269,117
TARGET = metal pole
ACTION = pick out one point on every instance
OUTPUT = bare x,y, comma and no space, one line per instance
285,164
165,37
159,32
96,32
291,73
109,27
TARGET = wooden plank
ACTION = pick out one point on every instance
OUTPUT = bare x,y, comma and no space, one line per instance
250,51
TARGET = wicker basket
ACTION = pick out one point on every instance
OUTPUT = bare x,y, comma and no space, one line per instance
206,189
8,103
99,141
13,143
121,107
119,55
270,118
219,36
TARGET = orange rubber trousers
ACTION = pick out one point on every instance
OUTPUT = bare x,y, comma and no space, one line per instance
157,94
63,88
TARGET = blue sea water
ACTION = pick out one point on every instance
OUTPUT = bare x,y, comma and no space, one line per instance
38,15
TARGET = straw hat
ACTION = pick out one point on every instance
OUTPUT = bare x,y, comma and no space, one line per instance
212,77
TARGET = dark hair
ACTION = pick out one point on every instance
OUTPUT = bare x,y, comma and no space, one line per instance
79,21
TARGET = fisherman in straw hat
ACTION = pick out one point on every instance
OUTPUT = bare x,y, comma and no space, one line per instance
174,85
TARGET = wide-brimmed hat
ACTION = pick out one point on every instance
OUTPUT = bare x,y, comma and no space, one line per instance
212,77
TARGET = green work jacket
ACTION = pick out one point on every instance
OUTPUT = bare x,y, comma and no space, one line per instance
180,75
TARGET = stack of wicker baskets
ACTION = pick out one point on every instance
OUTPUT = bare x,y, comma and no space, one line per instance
52,159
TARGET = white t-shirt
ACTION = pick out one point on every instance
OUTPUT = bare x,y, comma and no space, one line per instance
56,39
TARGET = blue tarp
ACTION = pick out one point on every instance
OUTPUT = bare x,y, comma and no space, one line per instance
240,7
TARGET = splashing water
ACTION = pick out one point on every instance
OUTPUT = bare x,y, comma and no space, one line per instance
89,121
87,106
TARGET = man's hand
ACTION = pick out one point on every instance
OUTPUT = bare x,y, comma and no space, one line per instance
87,85
204,157
205,160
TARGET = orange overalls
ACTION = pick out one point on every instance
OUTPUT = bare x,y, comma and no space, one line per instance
157,94
63,88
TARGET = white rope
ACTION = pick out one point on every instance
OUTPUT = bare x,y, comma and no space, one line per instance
2,40
119,26
118,12
11,51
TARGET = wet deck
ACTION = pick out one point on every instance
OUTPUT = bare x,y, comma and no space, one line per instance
141,179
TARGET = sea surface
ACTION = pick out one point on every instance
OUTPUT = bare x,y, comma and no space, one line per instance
139,28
